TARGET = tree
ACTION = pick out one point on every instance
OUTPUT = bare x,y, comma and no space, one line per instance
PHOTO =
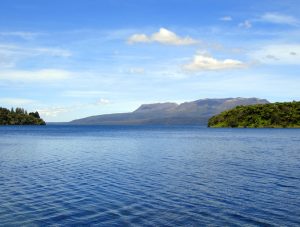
35,114
19,116
260,115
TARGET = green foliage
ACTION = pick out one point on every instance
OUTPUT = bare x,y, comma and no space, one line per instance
271,115
19,116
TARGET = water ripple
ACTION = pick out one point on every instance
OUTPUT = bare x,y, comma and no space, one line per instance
149,176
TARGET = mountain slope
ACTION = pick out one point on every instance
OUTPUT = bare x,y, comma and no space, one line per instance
190,113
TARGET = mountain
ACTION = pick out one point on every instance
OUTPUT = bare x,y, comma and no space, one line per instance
271,115
188,113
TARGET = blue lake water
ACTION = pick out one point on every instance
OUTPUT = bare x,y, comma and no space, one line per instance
149,176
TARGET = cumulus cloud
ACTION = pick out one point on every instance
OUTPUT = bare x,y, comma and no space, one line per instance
163,36
226,18
139,38
39,75
278,18
203,62
277,54
246,24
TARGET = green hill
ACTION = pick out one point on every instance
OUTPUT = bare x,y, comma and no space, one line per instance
271,115
19,117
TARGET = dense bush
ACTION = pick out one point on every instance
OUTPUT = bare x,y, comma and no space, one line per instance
271,115
19,117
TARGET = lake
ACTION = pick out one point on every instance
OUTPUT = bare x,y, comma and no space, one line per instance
149,176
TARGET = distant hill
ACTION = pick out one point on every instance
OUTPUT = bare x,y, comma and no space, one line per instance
19,116
272,115
188,113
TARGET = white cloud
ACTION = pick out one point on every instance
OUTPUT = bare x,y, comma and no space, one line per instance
102,101
14,50
21,34
136,70
56,111
83,93
39,75
163,36
226,18
278,18
56,52
15,101
246,24
278,54
11,54
6,62
53,111
139,38
203,62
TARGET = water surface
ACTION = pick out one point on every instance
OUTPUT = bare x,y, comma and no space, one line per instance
149,176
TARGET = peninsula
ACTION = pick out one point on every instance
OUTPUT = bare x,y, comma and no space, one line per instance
19,116
270,115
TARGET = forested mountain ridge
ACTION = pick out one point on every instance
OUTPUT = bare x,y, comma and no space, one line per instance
271,115
19,116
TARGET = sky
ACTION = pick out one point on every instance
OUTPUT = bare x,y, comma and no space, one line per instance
77,58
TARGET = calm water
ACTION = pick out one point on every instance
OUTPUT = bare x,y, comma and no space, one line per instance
149,176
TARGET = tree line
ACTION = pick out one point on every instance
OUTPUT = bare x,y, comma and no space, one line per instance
271,115
19,116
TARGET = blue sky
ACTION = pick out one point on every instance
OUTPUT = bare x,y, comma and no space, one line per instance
72,59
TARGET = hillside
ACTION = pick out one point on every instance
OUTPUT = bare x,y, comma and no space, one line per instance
19,117
271,115
188,113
